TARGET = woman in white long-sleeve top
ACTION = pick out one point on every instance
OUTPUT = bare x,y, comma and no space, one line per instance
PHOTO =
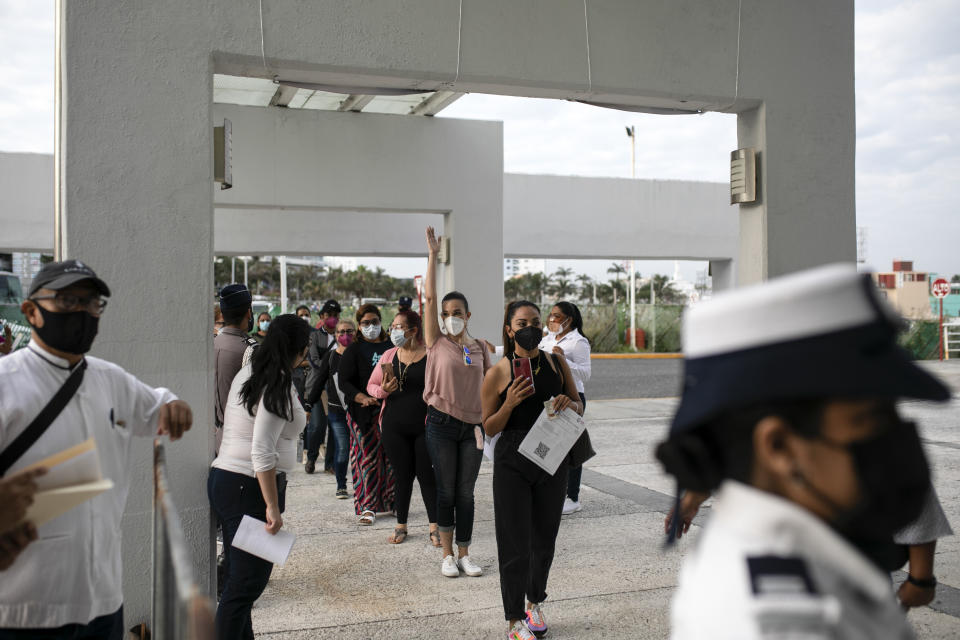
261,423
564,337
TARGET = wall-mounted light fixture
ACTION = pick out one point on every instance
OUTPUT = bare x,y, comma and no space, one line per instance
222,161
743,176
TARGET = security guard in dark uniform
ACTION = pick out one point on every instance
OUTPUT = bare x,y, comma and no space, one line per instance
230,345
788,413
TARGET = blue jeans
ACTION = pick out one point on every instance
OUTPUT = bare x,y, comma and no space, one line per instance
316,430
576,473
452,445
106,627
340,443
233,495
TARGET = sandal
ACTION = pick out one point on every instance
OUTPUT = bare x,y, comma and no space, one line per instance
367,518
435,538
399,535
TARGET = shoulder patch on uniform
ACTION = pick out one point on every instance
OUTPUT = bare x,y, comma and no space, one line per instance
771,575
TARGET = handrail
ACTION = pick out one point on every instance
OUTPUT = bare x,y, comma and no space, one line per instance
180,610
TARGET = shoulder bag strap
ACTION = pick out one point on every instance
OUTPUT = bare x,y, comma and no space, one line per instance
47,415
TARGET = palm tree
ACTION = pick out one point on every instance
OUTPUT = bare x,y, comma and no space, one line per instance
511,289
563,288
586,282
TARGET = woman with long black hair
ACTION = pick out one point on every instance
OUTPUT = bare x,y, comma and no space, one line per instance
261,422
373,484
565,338
456,364
527,501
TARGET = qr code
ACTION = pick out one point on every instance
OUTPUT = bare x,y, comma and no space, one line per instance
542,450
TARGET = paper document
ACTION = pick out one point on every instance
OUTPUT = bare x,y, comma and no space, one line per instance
76,465
550,439
51,503
253,538
73,477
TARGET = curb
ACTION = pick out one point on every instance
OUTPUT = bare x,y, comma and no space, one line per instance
636,356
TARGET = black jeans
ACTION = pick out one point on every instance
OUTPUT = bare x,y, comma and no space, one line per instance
232,496
456,463
316,431
106,627
576,473
406,449
527,505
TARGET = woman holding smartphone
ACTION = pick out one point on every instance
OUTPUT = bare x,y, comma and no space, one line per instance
372,479
527,501
565,338
261,422
456,364
399,382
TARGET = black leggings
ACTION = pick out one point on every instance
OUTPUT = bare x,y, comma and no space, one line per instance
406,449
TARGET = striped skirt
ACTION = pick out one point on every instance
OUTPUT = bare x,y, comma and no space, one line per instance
374,485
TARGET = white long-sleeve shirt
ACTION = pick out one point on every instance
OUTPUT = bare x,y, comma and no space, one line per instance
72,573
576,350
259,442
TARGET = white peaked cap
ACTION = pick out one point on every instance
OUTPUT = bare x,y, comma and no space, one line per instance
818,333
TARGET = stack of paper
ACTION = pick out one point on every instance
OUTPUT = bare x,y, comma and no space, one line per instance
551,437
73,477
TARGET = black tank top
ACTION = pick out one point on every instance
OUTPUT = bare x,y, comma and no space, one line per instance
406,406
547,383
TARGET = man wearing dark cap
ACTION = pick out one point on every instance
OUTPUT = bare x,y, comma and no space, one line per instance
789,413
230,345
404,303
68,582
321,341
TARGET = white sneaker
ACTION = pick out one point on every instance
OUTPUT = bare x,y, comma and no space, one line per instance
570,506
449,567
469,567
519,631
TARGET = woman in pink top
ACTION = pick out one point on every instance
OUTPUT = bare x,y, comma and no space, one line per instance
456,363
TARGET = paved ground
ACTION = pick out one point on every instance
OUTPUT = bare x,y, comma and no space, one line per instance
611,578
634,378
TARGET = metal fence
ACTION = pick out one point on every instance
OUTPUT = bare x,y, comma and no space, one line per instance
180,610
606,326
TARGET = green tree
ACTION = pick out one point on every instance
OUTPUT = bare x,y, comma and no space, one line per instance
586,286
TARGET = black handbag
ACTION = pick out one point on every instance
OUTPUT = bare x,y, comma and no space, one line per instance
581,451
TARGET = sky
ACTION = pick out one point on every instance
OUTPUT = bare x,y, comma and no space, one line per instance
908,130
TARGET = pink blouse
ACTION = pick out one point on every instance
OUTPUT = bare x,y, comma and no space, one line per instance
453,386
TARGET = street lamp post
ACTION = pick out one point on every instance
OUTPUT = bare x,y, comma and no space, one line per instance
631,133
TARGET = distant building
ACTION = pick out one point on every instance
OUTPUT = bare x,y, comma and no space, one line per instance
907,290
513,267
345,263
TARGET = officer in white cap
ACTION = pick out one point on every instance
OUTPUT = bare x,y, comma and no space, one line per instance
788,413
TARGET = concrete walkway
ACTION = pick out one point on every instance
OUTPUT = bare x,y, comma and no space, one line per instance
611,578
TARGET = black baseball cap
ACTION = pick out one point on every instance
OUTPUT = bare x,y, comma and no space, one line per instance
60,275
405,301
331,307
235,296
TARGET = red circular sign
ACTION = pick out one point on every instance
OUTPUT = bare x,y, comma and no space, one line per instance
940,288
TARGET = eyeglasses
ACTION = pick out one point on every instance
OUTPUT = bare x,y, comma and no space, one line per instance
67,302
394,327
466,356
370,323
348,332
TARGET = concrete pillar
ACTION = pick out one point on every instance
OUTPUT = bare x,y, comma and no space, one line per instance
722,274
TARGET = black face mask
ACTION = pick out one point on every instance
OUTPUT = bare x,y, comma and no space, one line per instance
894,481
71,332
529,337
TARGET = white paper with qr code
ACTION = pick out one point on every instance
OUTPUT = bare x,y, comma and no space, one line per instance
550,439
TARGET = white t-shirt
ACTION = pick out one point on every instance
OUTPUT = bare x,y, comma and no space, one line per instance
259,442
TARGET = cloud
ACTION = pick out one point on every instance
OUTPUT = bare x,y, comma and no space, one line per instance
26,76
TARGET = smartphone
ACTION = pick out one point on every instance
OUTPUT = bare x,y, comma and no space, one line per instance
522,369
387,370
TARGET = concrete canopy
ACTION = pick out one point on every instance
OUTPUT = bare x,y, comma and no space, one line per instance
134,155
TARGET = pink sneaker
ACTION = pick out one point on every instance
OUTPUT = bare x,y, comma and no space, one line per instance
536,622
519,631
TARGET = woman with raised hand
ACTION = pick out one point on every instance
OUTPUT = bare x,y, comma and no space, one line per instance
527,501
456,364
372,478
261,423
565,338
399,382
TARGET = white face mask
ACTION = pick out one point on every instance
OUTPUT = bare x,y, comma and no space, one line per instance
551,332
371,331
454,325
398,337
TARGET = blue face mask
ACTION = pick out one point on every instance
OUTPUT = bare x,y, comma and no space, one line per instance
264,325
